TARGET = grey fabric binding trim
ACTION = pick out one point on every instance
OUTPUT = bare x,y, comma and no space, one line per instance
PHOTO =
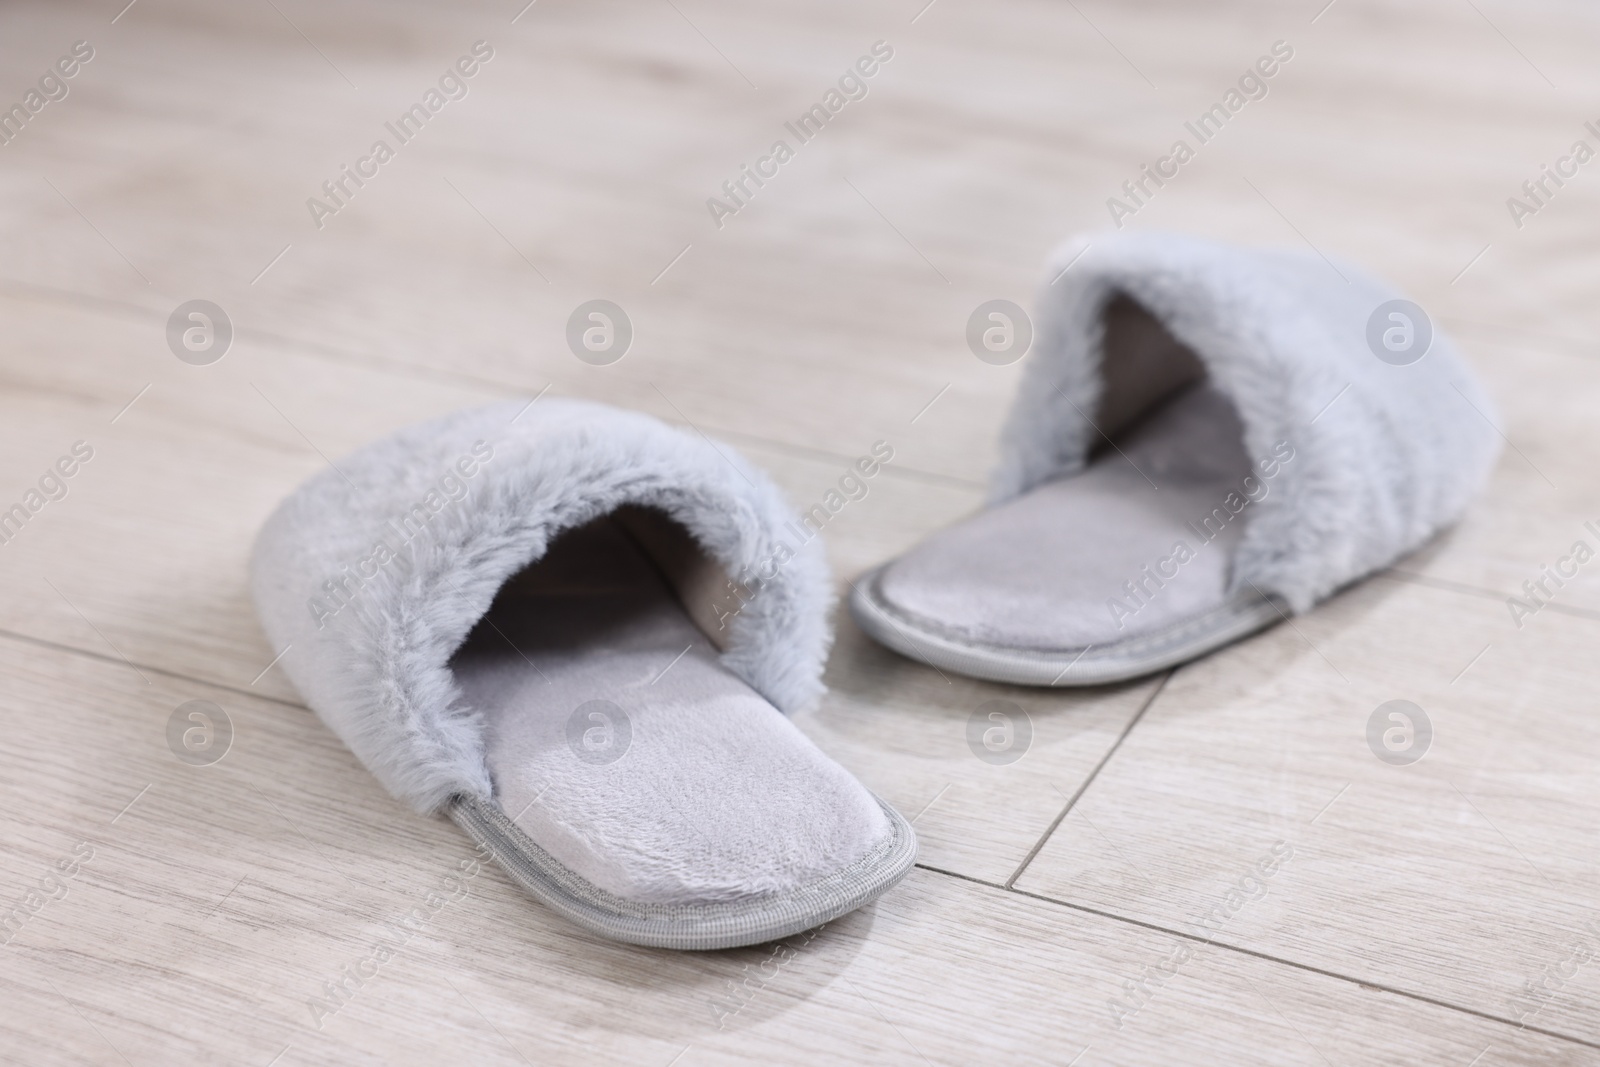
1241,616
686,926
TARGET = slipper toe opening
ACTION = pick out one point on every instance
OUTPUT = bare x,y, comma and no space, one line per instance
1137,541
618,741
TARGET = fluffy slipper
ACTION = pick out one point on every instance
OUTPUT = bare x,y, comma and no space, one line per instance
524,616
1206,439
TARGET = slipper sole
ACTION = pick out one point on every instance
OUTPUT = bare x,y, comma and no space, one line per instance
694,927
1134,657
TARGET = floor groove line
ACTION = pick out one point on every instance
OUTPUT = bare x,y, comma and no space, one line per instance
1264,956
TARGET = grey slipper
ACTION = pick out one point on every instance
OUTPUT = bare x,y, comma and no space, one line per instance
525,617
1207,439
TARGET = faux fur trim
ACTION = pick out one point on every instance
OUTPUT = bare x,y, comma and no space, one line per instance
373,573
1384,456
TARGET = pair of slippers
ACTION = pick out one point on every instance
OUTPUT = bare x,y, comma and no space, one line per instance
575,629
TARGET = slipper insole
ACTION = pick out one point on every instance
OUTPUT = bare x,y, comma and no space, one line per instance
1044,570
619,743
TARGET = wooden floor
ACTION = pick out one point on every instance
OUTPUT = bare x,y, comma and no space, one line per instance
1439,913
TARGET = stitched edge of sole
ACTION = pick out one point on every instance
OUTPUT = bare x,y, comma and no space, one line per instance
694,927
1239,617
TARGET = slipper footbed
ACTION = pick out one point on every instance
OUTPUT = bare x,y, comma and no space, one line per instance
618,742
1139,540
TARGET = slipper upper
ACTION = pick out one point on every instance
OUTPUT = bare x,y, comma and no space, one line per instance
373,572
1390,432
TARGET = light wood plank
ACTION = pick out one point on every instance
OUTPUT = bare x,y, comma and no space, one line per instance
1542,496
905,730
772,304
767,284
215,907
1462,876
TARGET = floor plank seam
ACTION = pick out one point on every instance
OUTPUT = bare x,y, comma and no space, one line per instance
1428,581
1268,957
422,372
1265,956
165,672
916,474
1089,780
